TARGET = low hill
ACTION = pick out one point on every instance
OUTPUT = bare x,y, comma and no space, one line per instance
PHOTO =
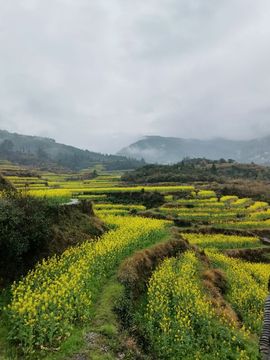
48,154
190,170
166,150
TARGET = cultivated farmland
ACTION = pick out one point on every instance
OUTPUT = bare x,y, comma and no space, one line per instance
204,301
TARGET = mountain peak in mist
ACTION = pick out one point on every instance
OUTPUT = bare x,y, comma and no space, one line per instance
165,150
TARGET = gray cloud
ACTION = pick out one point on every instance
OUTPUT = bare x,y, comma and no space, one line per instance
99,74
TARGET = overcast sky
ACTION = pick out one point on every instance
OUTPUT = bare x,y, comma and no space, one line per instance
100,74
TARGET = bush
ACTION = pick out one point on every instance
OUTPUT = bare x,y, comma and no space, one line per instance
25,231
150,199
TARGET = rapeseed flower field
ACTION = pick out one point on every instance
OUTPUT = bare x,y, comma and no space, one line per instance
60,291
180,318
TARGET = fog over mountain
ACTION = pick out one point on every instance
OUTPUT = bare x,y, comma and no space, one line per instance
101,74
165,150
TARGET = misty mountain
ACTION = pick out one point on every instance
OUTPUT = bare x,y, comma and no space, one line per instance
166,150
47,153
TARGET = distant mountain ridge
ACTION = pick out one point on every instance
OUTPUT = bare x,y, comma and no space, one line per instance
168,150
44,152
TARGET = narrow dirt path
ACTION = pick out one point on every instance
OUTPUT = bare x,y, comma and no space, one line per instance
104,339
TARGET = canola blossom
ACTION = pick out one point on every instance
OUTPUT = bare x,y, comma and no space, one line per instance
82,189
180,320
245,224
206,216
247,287
221,241
60,291
230,198
50,193
118,212
199,206
118,207
206,194
242,202
258,205
260,215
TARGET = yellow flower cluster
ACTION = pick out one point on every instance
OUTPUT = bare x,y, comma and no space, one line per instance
207,216
229,198
103,190
229,212
180,320
247,287
246,224
221,241
50,193
93,197
118,207
242,202
118,212
200,202
258,205
165,284
60,291
206,194
260,215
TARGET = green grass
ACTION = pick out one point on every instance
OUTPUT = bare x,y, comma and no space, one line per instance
7,351
104,326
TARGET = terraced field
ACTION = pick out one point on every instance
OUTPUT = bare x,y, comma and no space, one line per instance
183,202
60,292
205,303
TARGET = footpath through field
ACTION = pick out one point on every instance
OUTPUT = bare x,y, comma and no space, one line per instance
81,284
103,337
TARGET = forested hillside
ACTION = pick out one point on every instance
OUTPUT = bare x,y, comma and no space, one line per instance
47,153
190,170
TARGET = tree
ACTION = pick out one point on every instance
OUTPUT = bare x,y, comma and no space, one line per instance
214,168
41,153
6,146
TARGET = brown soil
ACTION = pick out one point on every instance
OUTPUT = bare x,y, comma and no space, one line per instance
251,255
215,282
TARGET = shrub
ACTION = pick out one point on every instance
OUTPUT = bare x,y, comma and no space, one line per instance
24,234
149,199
